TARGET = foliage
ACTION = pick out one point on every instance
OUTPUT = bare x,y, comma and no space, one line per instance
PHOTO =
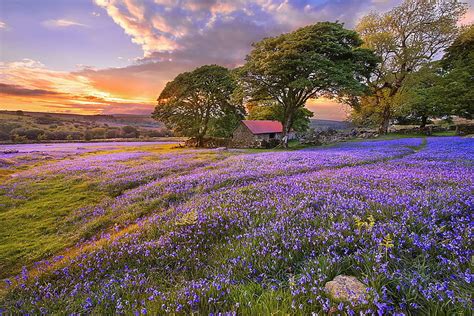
198,103
419,98
443,88
274,112
323,59
456,87
404,38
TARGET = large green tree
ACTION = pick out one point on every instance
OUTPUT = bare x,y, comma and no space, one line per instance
323,59
405,38
442,88
456,88
418,99
198,103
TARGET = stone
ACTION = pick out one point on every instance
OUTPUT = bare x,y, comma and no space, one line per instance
346,288
10,151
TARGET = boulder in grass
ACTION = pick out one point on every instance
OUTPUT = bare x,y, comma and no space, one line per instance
346,288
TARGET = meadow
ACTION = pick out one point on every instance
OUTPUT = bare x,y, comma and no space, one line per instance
152,229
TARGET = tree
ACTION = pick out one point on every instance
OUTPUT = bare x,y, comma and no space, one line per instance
274,112
418,99
456,87
443,88
198,103
405,38
323,59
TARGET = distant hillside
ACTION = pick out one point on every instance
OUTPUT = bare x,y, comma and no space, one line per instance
37,126
326,124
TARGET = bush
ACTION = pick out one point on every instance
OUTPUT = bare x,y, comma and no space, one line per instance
87,135
160,132
4,136
7,127
46,120
97,133
31,134
18,138
130,132
112,133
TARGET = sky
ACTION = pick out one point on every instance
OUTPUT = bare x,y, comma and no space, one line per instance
115,56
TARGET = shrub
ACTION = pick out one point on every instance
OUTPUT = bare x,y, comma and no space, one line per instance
97,132
112,133
159,132
46,120
31,134
7,127
18,138
4,136
130,132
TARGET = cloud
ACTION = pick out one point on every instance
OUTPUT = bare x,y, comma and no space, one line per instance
468,18
3,25
177,36
30,84
60,23
131,17
17,90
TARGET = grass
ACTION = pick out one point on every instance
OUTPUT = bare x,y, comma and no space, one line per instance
35,226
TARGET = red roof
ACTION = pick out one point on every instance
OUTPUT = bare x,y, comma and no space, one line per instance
263,127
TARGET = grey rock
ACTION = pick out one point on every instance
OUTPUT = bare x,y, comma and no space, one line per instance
346,288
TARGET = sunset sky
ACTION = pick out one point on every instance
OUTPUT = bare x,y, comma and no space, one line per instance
115,56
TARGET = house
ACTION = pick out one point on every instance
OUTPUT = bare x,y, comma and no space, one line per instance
257,133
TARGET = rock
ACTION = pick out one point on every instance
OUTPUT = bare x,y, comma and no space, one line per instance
346,288
10,151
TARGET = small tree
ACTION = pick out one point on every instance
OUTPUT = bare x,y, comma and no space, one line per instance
198,103
323,59
405,38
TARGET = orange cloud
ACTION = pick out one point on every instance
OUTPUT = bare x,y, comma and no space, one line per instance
28,84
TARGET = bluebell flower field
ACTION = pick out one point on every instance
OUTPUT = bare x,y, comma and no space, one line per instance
148,229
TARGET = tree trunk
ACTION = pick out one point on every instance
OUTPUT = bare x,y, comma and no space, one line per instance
287,123
424,120
383,129
200,140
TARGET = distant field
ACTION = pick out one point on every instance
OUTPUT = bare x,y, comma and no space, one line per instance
148,228
23,126
329,124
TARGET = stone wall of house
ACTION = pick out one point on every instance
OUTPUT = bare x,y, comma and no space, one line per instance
243,138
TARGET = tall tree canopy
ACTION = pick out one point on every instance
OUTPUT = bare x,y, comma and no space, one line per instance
442,88
198,103
323,59
405,38
456,87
